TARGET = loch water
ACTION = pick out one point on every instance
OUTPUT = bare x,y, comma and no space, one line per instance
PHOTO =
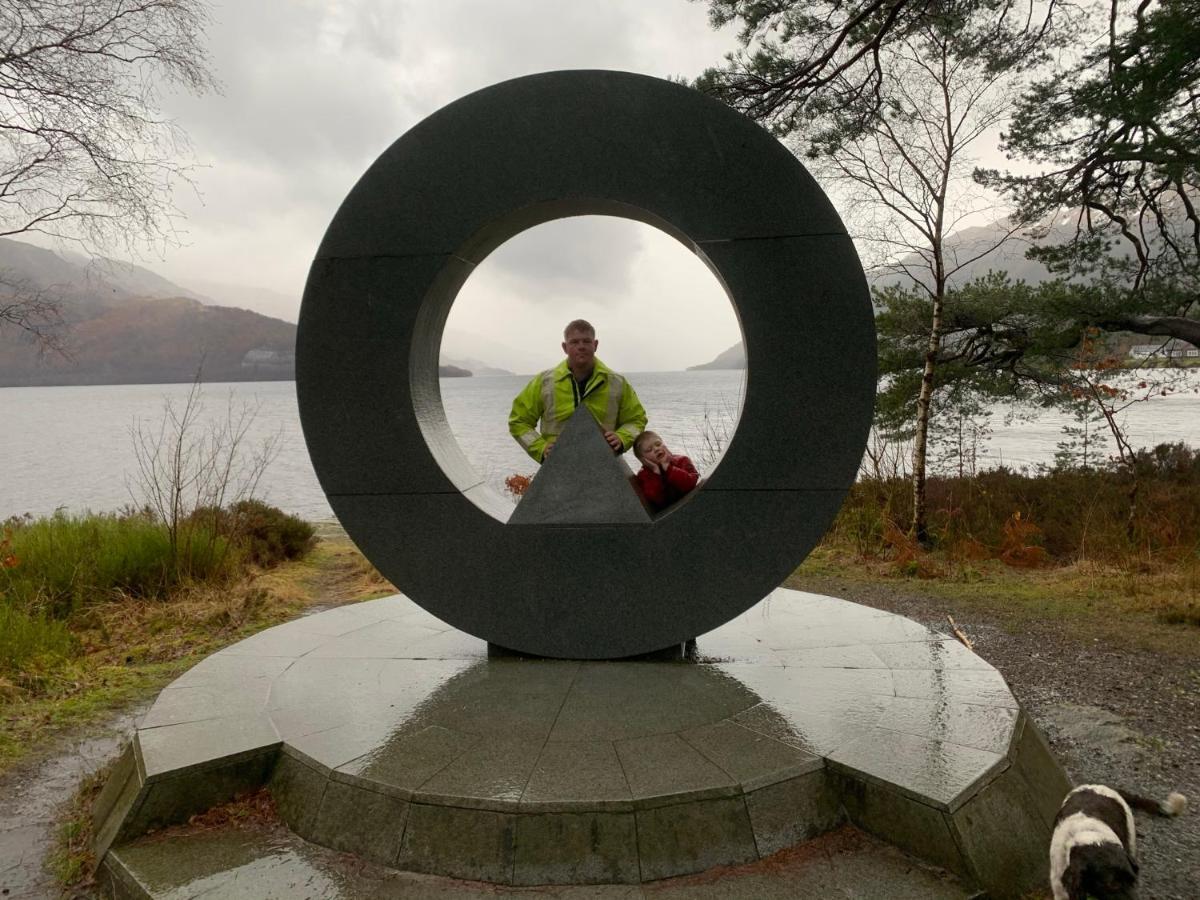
72,448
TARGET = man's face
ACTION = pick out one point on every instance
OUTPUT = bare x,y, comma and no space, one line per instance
580,348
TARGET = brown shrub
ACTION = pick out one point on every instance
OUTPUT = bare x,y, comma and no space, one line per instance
1080,514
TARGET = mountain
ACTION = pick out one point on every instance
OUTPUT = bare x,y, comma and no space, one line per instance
733,358
962,248
156,341
127,325
76,277
473,366
265,302
462,348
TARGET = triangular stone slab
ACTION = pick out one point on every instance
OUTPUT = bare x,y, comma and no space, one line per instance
581,482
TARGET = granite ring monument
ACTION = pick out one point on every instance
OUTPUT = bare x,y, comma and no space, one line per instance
431,208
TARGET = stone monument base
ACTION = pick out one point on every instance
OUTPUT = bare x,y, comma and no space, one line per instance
673,653
270,862
381,731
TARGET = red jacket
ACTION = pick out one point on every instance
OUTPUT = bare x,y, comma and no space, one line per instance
664,488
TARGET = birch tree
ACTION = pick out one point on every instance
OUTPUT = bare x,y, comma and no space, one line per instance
901,158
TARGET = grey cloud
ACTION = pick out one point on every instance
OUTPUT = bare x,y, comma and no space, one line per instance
315,90
293,91
584,258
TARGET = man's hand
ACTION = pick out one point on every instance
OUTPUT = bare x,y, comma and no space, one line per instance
546,452
614,441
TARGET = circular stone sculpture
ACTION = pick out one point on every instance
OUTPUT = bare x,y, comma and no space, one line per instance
431,208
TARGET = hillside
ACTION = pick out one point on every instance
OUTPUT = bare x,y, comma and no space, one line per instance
733,358
963,246
127,325
156,341
75,277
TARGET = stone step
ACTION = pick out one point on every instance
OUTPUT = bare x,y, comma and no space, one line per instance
266,863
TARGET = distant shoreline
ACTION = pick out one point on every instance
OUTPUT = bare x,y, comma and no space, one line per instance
225,378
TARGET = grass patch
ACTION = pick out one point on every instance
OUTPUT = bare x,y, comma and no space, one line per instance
129,648
30,644
62,563
1114,516
1136,604
1100,548
57,574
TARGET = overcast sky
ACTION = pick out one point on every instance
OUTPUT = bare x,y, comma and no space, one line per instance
314,91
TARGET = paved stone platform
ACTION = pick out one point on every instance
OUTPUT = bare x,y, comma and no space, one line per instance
382,731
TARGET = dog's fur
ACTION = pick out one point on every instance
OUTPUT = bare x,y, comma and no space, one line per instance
1093,851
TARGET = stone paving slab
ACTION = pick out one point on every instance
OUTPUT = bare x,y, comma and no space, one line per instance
387,733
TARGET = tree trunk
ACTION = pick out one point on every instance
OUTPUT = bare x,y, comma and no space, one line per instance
919,528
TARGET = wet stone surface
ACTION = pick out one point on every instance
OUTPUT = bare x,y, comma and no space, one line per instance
384,692
487,768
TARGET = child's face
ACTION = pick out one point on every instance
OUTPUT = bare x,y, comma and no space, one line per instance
655,451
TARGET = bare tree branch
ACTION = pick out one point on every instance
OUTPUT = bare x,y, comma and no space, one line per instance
85,154
35,312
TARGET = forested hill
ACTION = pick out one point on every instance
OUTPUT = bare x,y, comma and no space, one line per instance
123,324
155,341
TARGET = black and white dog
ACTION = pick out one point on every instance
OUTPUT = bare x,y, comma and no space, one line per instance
1093,851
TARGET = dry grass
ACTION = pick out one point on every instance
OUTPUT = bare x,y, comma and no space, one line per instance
1140,601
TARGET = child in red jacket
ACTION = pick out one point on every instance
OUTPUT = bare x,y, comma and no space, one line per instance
663,478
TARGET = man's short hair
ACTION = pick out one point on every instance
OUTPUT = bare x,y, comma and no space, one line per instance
640,441
579,325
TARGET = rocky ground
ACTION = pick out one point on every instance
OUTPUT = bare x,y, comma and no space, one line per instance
1115,715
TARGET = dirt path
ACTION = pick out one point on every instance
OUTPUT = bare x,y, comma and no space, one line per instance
1114,714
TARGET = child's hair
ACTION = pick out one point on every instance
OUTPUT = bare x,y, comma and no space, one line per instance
640,442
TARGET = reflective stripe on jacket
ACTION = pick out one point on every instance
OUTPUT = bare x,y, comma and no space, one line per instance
551,398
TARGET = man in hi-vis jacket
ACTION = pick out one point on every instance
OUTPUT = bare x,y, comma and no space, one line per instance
552,396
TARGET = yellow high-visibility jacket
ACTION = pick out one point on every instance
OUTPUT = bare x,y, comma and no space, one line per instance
552,397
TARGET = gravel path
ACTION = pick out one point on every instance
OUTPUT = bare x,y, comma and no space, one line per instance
1114,715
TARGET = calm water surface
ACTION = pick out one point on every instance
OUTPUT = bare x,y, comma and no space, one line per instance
71,446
